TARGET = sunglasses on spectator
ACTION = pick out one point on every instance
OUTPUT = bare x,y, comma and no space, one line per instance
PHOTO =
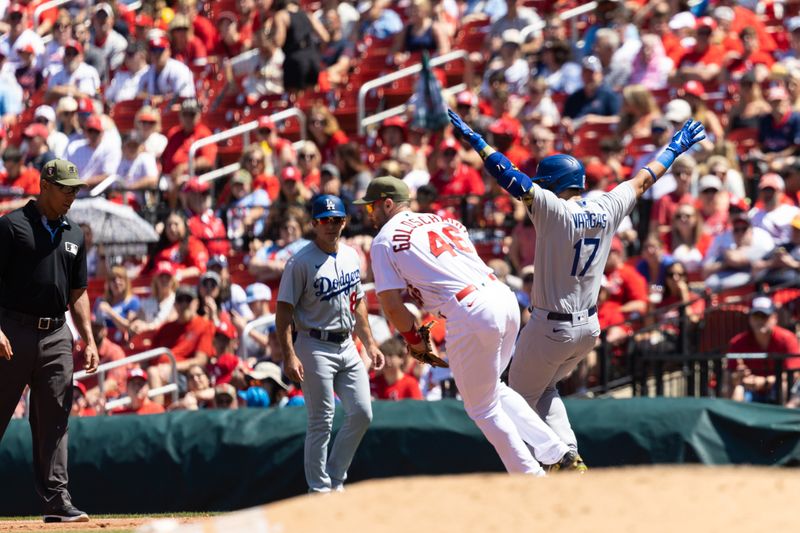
60,26
15,17
683,216
677,273
330,220
308,155
255,159
70,52
183,299
156,49
264,131
93,132
318,122
707,191
740,228
210,284
450,153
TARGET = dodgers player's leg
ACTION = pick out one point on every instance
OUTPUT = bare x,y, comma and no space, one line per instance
546,352
320,367
351,384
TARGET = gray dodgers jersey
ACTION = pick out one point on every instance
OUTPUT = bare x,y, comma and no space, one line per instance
572,245
323,288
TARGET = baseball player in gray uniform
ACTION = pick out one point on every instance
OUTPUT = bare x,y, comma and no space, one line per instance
569,262
320,291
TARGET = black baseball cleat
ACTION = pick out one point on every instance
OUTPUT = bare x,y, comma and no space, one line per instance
66,514
571,462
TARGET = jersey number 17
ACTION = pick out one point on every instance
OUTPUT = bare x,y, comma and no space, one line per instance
595,244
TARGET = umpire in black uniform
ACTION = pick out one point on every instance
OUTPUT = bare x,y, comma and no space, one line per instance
42,271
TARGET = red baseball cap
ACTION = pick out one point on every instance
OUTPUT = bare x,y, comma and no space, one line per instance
264,122
226,328
75,45
290,174
144,20
15,8
503,127
467,98
195,185
616,245
706,22
147,116
36,130
228,15
85,105
137,373
596,172
80,386
28,48
695,88
224,367
398,122
772,181
94,123
159,42
165,267
449,144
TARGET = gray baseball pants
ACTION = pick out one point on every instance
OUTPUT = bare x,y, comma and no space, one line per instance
546,352
43,360
332,368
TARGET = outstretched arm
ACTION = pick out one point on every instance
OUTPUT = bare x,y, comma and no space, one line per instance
518,184
690,134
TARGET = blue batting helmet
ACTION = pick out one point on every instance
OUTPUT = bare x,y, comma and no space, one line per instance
326,206
560,172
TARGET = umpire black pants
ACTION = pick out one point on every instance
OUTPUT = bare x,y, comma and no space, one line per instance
43,360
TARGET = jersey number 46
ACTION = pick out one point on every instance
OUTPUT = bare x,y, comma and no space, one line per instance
595,244
456,242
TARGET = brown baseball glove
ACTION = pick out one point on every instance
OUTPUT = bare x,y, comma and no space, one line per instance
427,353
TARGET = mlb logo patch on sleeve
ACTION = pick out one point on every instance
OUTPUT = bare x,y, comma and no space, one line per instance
71,247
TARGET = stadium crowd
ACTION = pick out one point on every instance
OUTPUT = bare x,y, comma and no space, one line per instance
123,93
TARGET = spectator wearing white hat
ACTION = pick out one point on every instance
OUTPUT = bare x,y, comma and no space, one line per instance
125,83
261,341
771,213
56,140
595,102
18,35
166,78
95,159
517,18
67,119
509,61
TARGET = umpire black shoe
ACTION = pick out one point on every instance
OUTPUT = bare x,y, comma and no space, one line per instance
66,514
571,462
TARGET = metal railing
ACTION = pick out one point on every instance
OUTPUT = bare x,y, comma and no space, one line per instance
455,55
37,13
253,324
171,388
377,118
244,130
572,14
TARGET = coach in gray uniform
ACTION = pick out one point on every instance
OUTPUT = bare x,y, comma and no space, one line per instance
42,272
321,290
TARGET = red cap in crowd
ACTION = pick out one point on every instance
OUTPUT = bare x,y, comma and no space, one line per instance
597,172
226,328
36,130
770,180
137,373
94,123
224,367
616,245
195,185
75,45
504,126
706,22
85,105
15,8
28,49
159,42
165,267
228,15
143,20
290,174
695,88
449,144
467,98
80,386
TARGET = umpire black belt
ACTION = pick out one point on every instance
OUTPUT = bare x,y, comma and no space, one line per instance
563,317
330,336
36,322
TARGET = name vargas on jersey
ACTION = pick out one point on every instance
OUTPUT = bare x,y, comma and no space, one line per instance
328,288
587,219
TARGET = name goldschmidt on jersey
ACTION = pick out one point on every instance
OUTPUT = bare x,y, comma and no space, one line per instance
401,238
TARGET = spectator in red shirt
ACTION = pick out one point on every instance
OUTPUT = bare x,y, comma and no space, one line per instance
203,223
739,62
754,379
230,41
186,47
454,178
308,163
324,130
176,155
138,391
703,62
177,246
190,338
392,383
115,380
625,285
505,134
202,27
80,404
18,176
253,161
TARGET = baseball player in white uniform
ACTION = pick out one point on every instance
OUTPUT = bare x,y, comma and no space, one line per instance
320,291
570,257
434,260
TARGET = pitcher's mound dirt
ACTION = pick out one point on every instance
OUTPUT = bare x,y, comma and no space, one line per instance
635,500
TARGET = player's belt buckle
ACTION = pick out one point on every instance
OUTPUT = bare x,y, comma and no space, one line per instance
580,318
44,323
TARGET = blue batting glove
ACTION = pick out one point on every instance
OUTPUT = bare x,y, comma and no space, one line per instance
475,140
690,134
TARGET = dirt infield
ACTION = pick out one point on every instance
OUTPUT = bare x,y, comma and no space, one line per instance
654,499
97,524
651,499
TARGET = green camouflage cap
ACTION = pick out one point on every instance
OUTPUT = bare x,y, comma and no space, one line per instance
62,172
385,187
